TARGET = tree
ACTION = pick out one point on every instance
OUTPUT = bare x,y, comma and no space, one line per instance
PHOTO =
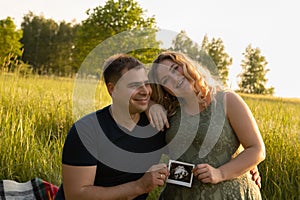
62,49
113,18
10,46
48,45
253,78
184,44
216,50
38,35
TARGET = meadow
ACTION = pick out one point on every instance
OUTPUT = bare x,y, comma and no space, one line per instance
36,114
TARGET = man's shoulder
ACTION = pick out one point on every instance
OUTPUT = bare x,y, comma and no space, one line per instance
92,118
103,111
92,115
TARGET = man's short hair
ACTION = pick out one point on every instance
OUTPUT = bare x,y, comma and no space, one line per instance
114,66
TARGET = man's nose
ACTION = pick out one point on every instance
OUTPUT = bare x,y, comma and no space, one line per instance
145,88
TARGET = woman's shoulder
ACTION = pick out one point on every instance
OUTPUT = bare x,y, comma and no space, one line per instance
234,104
229,95
228,99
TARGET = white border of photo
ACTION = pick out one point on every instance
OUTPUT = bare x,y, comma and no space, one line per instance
178,182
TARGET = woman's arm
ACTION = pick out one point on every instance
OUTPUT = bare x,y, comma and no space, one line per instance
157,116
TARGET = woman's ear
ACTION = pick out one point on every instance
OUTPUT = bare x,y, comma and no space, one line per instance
110,88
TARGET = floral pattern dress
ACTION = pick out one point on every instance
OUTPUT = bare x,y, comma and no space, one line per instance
206,138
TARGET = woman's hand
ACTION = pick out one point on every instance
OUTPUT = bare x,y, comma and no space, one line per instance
157,116
207,174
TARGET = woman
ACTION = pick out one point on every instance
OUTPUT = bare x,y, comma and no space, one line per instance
223,123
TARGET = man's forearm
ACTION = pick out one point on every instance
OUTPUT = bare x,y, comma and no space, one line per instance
126,191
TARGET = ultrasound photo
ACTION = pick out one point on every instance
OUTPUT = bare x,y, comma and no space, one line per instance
180,173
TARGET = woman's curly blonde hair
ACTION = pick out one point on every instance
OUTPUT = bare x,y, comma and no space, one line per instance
200,78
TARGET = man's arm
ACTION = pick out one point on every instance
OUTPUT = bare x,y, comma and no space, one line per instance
78,183
255,176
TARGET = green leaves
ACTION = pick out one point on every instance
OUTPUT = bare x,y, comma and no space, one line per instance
211,54
113,18
216,50
47,44
253,78
10,47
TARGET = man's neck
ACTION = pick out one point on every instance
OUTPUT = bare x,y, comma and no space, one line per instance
123,118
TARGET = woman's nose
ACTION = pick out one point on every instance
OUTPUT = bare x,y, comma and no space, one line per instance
175,77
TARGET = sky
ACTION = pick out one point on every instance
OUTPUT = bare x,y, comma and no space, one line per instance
271,25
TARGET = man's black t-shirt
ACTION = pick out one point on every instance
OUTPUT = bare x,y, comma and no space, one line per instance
143,138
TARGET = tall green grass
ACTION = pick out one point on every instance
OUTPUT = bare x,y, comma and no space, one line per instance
36,114
279,122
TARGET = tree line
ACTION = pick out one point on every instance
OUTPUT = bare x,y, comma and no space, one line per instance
44,46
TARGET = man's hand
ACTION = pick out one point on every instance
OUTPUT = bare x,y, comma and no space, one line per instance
154,177
255,176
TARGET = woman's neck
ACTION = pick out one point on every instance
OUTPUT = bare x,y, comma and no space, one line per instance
192,108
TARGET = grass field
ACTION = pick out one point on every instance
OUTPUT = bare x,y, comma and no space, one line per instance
36,114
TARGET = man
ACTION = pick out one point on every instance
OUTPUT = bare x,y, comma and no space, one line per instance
106,153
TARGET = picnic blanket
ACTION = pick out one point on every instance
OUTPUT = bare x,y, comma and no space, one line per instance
34,189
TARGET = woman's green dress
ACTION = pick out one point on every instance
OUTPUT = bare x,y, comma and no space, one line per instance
220,145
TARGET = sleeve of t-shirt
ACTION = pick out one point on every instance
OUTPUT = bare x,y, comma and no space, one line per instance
74,152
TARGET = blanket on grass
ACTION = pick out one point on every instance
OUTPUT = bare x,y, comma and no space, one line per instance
34,189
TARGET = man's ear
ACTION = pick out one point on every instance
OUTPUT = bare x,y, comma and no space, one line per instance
110,88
